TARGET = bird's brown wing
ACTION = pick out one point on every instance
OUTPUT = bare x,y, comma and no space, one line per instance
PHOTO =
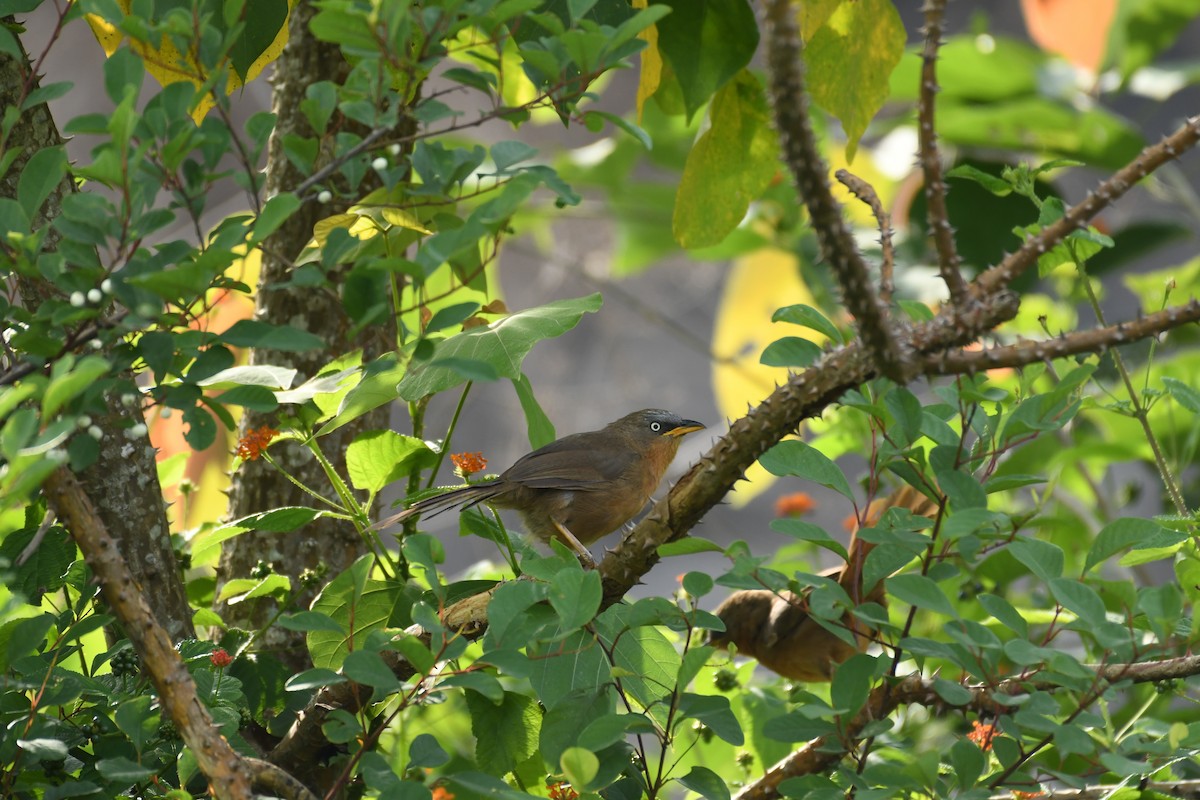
579,462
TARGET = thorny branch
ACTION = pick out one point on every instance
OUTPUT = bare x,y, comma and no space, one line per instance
931,165
866,193
809,171
1077,217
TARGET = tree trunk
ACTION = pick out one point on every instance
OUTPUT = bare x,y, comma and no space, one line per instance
123,483
257,486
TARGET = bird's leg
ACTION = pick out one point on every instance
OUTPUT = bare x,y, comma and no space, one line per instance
568,538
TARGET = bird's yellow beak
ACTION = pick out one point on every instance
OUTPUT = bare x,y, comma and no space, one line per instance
687,427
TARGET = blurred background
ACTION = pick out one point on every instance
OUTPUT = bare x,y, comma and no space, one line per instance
683,330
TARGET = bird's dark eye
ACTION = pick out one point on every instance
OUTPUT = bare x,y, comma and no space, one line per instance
656,426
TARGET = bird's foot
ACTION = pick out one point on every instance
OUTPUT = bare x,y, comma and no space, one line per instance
568,538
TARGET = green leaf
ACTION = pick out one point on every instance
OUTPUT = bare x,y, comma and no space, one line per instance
426,751
502,345
65,388
314,679
576,596
121,770
255,398
47,749
808,317
713,711
264,375
277,520
1118,535
1095,137
45,569
729,165
968,762
39,177
1079,598
920,592
790,351
852,683
689,545
706,783
541,429
359,605
809,532
505,734
849,61
1045,560
378,387
1185,395
1143,29
264,19
630,128
308,621
376,458
367,667
274,213
136,721
997,186
238,590
706,43
252,333
580,766
802,460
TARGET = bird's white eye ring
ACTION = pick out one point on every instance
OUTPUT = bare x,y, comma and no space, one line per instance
655,426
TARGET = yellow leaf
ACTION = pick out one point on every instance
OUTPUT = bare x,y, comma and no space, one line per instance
358,226
729,166
403,219
168,65
651,72
759,283
106,33
850,60
813,14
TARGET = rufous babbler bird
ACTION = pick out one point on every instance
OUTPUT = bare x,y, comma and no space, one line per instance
581,487
775,627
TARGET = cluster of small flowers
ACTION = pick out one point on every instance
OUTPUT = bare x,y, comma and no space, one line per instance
252,445
466,464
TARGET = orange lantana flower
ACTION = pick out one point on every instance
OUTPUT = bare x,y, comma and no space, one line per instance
794,505
562,791
252,445
466,464
982,734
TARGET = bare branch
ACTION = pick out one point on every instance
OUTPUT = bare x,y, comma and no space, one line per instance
1077,217
809,172
931,164
866,192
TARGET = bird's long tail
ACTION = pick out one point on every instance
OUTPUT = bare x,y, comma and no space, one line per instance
464,497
